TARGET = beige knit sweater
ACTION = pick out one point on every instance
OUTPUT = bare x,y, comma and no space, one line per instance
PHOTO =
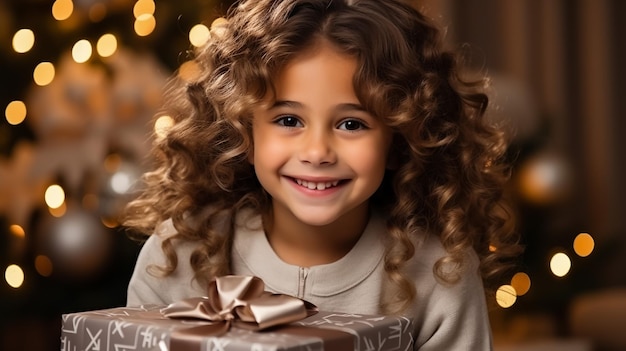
445,317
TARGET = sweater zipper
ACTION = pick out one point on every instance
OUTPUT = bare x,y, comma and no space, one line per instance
302,274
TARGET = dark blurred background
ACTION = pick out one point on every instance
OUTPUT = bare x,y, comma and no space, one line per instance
77,125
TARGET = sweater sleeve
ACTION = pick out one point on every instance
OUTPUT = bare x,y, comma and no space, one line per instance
448,316
143,287
457,318
147,288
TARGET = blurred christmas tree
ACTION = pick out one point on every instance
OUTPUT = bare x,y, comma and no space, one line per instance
81,81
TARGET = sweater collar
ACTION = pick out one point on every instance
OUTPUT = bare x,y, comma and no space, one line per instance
255,252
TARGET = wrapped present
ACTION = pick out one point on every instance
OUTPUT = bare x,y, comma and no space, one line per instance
145,328
237,316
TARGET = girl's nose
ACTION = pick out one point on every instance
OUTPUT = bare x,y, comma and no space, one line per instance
317,149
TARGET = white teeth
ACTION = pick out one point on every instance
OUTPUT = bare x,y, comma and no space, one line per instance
316,186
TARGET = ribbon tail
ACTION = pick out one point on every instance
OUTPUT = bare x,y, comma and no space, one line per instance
191,339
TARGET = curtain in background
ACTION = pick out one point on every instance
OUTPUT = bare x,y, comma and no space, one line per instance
569,57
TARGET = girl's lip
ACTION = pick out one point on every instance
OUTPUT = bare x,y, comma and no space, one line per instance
315,179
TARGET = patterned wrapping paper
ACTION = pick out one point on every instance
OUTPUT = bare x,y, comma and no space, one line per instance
146,329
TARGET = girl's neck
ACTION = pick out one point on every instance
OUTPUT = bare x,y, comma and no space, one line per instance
304,245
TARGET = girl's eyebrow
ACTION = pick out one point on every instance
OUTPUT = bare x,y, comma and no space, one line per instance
285,103
340,108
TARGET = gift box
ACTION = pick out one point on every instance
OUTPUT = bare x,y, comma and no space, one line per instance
146,328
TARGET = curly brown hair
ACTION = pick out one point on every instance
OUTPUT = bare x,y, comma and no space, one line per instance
450,167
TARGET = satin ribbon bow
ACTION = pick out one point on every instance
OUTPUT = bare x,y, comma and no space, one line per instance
241,301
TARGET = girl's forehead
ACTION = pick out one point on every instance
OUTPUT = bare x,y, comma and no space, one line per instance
320,48
319,65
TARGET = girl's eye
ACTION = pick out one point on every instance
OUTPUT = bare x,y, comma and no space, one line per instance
288,121
352,125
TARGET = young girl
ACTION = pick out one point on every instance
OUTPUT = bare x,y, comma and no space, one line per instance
330,148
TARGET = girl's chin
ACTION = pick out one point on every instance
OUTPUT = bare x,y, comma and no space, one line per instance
324,218
316,216
317,221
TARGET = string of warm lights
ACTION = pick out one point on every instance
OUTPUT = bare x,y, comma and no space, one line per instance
536,181
560,265
82,51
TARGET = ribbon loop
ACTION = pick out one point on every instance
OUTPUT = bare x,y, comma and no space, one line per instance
231,291
243,301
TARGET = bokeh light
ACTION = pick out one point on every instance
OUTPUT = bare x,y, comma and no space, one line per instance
44,73
15,113
521,283
584,244
23,40
545,179
17,230
145,24
560,264
123,175
14,276
59,211
189,71
55,196
112,162
81,51
218,26
121,182
62,9
199,35
109,223
143,7
218,22
506,296
162,125
106,45
43,265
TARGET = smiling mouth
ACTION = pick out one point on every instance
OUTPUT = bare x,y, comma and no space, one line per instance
317,185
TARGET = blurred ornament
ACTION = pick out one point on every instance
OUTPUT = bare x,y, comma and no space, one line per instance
77,244
545,179
120,181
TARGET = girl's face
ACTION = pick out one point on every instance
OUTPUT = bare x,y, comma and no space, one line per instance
317,152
